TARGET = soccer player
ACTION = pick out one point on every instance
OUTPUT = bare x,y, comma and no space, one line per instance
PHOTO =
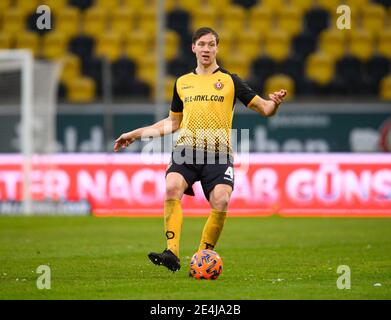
202,107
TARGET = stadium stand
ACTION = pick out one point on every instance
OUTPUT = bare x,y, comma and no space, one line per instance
385,88
81,90
277,81
54,45
264,41
28,40
332,42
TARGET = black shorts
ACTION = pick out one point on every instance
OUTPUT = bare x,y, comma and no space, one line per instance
209,168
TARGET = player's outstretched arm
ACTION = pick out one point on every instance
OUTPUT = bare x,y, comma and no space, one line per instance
268,108
161,128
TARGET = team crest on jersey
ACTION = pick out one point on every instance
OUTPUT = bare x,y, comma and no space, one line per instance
219,85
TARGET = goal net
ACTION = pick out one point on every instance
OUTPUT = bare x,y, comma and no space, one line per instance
28,100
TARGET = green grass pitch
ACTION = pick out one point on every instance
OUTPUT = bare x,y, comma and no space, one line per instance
264,258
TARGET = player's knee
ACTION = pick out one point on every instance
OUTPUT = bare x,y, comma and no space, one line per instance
173,191
220,201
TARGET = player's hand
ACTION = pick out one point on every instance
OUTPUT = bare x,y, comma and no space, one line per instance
278,96
123,141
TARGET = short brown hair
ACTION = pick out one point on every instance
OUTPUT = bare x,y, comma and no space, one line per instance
203,31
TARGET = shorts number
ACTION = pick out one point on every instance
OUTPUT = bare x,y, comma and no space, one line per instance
230,172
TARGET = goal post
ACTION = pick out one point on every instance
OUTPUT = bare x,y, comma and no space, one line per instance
36,104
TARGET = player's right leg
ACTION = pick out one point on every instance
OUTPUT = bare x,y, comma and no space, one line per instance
175,187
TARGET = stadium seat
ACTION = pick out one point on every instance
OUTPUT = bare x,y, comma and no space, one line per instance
146,70
27,7
109,46
332,41
247,4
274,5
189,5
95,21
170,5
68,21
61,91
232,18
349,69
81,4
356,9
71,68
5,5
122,20
262,68
225,45
361,44
293,67
385,88
5,41
82,45
277,44
13,21
261,19
361,4
137,44
148,20
171,45
140,90
329,5
81,90
278,82
28,40
235,63
304,44
94,68
385,3
122,87
374,18
179,21
124,82
217,4
384,43
316,20
108,5
54,45
205,16
56,5
122,69
168,88
320,68
376,68
290,20
249,44
134,4
302,5
179,66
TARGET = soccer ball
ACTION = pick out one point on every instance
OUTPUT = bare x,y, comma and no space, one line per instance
206,264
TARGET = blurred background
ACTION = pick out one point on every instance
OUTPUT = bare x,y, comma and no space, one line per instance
120,59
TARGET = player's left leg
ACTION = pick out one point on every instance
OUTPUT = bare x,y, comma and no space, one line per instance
218,199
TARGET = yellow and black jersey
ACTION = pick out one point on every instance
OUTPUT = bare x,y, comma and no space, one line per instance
207,103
